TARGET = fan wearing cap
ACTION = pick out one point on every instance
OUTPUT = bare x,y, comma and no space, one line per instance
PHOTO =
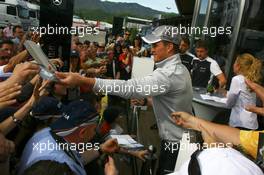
77,126
170,88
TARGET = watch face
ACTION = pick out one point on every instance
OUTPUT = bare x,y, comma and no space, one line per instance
15,120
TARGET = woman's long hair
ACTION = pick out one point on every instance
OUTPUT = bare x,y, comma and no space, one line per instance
250,67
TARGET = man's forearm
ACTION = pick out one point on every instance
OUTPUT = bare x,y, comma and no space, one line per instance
221,80
7,125
223,133
22,56
87,82
16,60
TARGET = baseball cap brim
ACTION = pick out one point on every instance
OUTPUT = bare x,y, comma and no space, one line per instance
64,124
151,39
74,114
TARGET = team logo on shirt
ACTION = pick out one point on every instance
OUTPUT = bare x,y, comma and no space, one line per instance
57,2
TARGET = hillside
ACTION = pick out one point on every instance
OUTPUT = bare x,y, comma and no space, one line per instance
98,10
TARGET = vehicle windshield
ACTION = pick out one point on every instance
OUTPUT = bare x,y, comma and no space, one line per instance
33,14
23,12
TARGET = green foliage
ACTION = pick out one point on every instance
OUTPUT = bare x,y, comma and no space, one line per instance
169,15
95,14
133,33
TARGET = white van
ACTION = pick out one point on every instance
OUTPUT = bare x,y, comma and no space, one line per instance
15,12
33,14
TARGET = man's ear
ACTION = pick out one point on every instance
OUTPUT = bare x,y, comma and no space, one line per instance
88,131
82,133
170,47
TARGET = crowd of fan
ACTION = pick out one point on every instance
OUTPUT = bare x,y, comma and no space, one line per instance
29,104
33,110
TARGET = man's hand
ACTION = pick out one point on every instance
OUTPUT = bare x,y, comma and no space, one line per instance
141,154
57,62
75,79
260,92
101,70
35,37
110,146
8,94
185,120
138,102
6,147
110,168
69,79
22,72
36,92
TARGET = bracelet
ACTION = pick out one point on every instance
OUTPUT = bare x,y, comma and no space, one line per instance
16,121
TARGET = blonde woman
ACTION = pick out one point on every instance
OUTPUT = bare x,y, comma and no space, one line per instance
239,96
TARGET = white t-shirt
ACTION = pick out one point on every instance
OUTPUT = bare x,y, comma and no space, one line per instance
214,67
222,161
238,97
189,53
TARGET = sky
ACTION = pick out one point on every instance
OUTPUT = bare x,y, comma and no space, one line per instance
161,5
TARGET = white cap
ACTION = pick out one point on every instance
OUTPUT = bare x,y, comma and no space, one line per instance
162,33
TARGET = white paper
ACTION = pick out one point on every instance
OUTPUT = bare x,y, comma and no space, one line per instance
213,98
126,141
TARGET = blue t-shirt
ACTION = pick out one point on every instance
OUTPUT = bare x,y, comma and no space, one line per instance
42,146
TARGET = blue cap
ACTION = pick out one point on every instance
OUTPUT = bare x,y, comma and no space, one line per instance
75,114
47,106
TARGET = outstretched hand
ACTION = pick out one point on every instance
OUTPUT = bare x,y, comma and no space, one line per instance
110,146
8,94
184,119
69,79
22,72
